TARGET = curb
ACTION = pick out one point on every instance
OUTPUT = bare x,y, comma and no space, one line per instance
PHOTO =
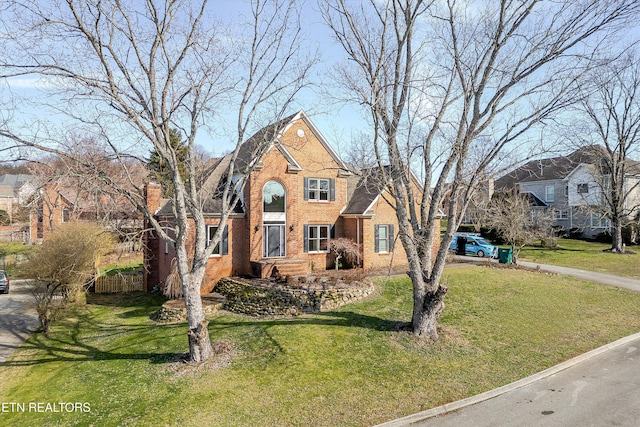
454,406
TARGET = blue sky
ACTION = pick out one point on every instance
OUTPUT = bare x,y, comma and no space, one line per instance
338,123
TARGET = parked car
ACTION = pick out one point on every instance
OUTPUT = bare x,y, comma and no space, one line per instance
475,245
4,282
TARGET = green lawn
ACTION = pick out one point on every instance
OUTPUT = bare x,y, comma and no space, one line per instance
346,367
587,256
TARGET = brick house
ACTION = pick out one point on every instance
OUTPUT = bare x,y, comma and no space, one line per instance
299,196
47,210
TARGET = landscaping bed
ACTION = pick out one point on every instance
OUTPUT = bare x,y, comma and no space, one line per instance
291,296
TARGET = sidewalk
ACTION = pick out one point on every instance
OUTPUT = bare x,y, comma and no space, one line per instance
595,392
602,278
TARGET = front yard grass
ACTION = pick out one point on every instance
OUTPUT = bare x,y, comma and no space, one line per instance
348,367
586,256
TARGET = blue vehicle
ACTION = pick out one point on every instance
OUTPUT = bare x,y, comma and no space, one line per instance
475,245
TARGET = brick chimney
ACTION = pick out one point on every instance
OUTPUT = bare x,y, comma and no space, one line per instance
152,196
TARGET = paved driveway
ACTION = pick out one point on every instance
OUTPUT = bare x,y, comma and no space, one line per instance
18,318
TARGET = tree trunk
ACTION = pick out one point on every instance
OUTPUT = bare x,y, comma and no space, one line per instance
427,310
200,348
617,244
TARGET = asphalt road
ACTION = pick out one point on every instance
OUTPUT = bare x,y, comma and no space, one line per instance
17,318
601,391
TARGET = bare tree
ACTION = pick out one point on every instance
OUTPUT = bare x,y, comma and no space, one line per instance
135,71
63,264
609,118
442,80
511,215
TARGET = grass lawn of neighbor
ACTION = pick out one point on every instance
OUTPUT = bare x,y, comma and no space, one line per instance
587,256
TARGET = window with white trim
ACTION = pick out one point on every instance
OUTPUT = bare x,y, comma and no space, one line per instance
560,214
316,238
598,221
274,208
383,238
550,193
319,189
222,248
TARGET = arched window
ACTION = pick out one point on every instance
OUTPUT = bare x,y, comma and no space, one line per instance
273,197
274,206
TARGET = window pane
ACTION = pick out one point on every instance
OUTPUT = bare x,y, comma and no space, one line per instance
382,232
324,244
313,184
324,232
212,231
273,197
324,185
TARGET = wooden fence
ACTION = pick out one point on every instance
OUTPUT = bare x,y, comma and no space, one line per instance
118,283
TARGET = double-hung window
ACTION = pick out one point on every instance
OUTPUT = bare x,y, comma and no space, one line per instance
383,239
316,238
222,248
319,189
598,221
550,193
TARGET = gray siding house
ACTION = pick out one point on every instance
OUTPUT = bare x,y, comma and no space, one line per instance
569,186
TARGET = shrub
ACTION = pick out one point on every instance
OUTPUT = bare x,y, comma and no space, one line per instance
603,237
347,252
64,264
4,218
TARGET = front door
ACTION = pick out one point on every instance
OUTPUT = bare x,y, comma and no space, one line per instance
273,240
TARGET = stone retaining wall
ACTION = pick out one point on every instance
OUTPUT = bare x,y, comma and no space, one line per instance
276,299
174,311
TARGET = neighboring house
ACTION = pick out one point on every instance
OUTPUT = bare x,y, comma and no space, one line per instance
299,197
47,210
62,199
15,189
570,186
14,192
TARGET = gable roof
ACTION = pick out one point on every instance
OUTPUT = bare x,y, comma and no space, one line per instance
534,200
370,185
554,168
252,150
15,181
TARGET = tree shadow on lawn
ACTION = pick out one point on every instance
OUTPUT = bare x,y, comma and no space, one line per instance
327,318
75,347
142,304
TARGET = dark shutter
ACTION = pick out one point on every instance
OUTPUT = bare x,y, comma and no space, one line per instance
391,238
224,241
376,241
306,188
306,237
332,189
332,232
